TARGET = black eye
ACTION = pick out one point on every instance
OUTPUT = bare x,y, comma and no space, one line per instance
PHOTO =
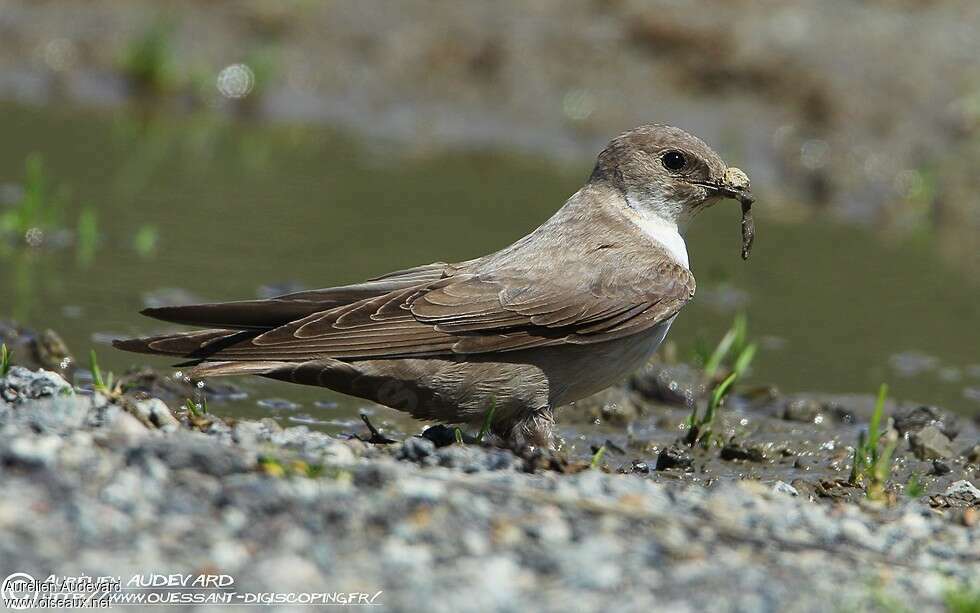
673,160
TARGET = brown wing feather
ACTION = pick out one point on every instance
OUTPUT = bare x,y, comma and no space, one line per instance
273,312
472,313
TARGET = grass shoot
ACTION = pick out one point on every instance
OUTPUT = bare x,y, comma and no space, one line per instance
733,343
104,386
872,463
734,353
597,457
487,421
4,360
699,426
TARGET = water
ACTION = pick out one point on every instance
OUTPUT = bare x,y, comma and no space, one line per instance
234,207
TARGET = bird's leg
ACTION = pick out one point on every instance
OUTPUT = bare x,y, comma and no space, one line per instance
534,430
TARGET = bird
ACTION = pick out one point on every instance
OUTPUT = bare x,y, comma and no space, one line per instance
505,339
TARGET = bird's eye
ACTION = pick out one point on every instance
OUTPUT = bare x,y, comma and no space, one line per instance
673,160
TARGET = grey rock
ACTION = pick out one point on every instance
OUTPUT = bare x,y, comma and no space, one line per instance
802,409
735,451
675,456
781,487
929,443
156,412
915,419
22,384
940,468
30,451
963,490
415,449
186,450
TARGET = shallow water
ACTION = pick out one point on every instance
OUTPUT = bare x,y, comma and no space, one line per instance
237,206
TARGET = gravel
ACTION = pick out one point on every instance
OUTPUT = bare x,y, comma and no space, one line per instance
118,487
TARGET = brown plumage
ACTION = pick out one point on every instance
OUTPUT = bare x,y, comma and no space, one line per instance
559,314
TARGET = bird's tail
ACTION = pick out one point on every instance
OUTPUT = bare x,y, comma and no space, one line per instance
195,346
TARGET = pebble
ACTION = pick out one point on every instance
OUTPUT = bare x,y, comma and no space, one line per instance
415,449
675,456
781,487
156,412
929,443
965,490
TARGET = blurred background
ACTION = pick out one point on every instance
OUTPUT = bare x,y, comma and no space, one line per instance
229,149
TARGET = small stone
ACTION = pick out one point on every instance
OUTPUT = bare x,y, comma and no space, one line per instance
32,451
913,420
637,467
781,487
156,412
737,451
675,456
22,384
802,409
930,444
415,449
940,468
441,435
963,490
126,427
858,533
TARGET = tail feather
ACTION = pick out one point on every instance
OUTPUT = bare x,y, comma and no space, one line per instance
244,315
194,345
223,369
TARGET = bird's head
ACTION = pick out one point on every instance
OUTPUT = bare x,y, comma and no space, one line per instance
667,172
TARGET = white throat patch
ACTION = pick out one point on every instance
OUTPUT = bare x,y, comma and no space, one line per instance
664,232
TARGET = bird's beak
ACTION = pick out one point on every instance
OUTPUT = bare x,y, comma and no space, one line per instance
735,184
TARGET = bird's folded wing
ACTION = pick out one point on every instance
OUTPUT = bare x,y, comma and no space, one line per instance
479,313
273,312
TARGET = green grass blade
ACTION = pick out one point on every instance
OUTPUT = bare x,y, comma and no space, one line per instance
714,362
597,457
716,396
487,420
744,360
98,384
874,427
4,359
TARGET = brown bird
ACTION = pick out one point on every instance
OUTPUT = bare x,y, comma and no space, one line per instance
562,313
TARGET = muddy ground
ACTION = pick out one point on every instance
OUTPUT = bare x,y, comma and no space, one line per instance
805,441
